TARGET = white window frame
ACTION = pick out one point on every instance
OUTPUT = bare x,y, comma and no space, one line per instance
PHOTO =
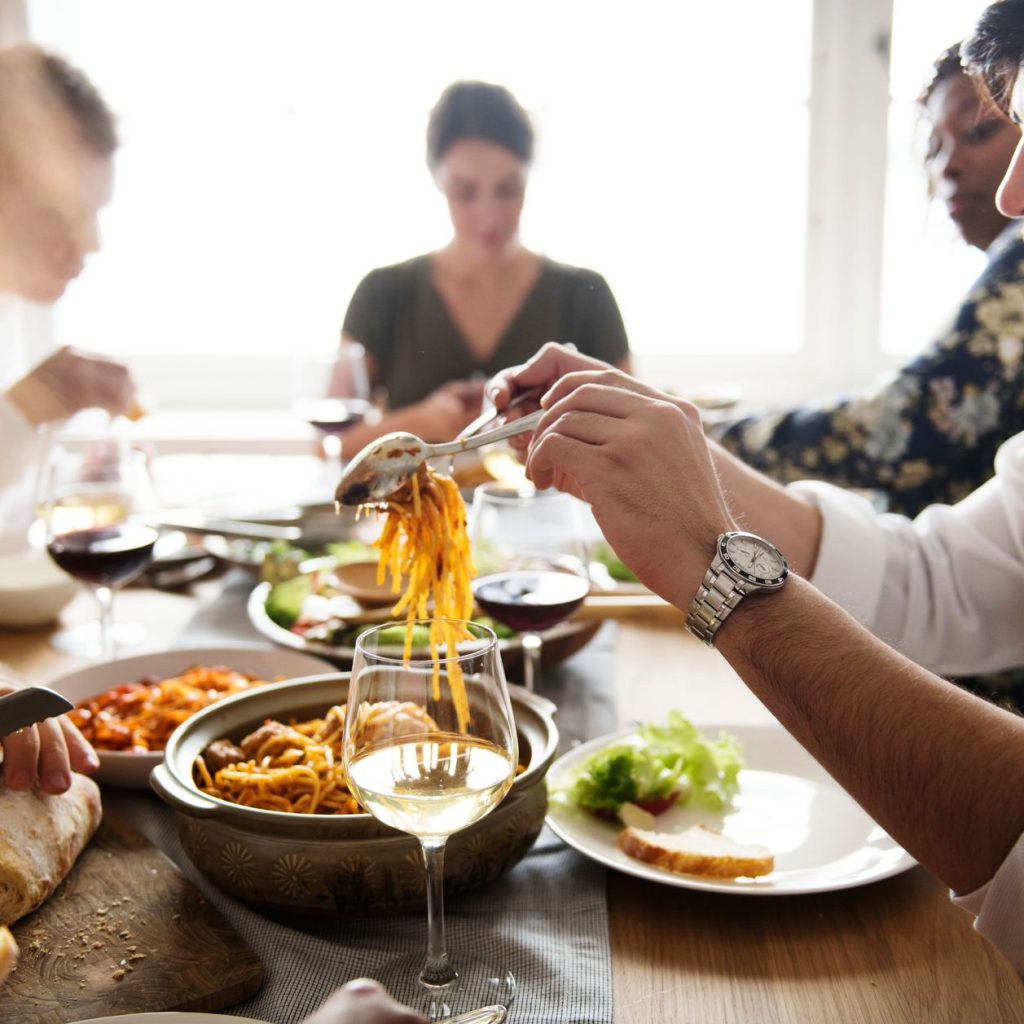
841,349
848,138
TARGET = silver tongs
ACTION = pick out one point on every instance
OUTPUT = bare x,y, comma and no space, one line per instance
387,464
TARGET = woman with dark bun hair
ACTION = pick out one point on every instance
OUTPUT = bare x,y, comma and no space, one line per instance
435,325
928,433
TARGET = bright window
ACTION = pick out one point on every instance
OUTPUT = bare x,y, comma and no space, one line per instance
924,255
273,153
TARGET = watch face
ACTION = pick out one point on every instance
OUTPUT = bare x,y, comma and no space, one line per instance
754,559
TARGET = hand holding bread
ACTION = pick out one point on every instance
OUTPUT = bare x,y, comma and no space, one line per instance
46,753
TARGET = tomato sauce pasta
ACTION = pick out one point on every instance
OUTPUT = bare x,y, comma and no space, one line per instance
141,715
425,543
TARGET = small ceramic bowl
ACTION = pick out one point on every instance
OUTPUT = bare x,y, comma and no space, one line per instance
359,580
340,862
32,589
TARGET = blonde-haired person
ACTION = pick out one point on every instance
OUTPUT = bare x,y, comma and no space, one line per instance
57,141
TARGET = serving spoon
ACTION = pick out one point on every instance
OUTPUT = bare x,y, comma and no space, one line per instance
387,464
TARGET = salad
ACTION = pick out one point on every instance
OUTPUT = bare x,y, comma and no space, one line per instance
658,766
309,603
602,553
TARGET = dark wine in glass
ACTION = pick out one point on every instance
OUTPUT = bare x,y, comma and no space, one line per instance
531,600
332,393
96,492
104,556
528,548
335,415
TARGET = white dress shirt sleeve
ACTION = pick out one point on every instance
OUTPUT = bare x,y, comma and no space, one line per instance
947,588
21,449
998,907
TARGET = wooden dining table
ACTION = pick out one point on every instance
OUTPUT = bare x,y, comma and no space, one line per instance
895,950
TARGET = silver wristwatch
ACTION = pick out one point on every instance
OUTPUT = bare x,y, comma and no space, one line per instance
743,564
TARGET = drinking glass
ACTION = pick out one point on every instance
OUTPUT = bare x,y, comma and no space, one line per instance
529,551
94,494
430,769
332,394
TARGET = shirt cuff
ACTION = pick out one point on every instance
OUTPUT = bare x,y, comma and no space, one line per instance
996,907
18,432
850,568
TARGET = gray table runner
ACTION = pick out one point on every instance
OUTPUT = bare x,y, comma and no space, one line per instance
546,920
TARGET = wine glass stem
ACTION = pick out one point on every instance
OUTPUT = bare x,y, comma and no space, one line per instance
531,659
105,599
437,971
331,446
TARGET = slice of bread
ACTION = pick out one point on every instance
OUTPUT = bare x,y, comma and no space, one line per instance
697,851
8,953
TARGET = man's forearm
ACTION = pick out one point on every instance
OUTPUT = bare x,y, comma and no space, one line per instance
940,770
766,508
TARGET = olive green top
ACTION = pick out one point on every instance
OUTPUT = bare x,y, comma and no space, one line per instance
401,319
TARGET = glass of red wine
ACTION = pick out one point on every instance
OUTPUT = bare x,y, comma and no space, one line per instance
332,394
94,496
531,560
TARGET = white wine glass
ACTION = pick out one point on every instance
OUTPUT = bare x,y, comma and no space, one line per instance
95,495
531,557
429,748
332,394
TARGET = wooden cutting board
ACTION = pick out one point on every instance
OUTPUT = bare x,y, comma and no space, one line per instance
125,933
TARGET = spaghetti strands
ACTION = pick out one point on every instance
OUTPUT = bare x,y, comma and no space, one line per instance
298,767
425,543
141,715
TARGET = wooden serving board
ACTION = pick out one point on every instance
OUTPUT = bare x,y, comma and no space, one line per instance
125,933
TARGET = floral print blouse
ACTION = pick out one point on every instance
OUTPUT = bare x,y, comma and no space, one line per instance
929,433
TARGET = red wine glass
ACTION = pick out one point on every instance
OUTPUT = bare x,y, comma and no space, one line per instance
529,552
95,492
332,394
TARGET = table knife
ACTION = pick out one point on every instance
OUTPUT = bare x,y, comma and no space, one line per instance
28,706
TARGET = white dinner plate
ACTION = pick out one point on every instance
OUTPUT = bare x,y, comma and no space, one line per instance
820,837
131,769
172,1017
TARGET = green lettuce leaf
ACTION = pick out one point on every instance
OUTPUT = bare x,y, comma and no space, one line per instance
667,758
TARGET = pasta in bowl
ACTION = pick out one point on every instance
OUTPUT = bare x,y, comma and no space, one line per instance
128,707
289,859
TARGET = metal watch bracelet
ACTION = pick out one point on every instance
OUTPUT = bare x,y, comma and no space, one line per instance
716,597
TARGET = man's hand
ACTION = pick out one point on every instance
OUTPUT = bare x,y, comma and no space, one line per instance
363,1002
45,752
640,459
551,363
71,380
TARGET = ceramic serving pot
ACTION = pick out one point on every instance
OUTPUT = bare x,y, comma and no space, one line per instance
352,862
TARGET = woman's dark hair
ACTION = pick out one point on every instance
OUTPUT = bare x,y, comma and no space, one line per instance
946,65
996,49
478,110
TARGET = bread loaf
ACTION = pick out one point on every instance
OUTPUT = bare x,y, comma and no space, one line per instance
41,836
697,851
